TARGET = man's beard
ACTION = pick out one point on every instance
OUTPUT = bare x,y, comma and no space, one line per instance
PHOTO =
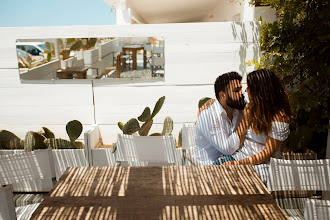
237,104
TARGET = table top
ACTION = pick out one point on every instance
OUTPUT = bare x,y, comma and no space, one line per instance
133,46
172,192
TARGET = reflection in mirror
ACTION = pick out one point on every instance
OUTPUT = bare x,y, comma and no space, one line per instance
91,58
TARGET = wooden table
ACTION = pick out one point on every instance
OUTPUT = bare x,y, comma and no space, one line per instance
134,49
173,192
68,73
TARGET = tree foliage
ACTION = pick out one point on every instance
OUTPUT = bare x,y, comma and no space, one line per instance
296,47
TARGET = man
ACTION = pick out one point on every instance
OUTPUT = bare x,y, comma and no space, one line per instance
215,136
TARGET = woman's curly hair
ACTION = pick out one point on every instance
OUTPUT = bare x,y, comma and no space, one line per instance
267,99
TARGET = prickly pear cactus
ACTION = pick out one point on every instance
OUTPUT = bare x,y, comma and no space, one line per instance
145,128
120,125
113,147
180,139
46,132
145,115
156,134
58,143
131,126
74,129
158,106
168,126
10,141
34,140
79,145
202,102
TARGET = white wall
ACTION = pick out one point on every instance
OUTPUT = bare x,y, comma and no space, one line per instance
195,54
225,11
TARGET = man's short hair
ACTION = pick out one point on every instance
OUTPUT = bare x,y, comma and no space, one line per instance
223,80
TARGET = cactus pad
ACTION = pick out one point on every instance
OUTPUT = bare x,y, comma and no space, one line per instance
145,128
158,106
10,141
131,126
202,101
145,115
156,134
74,129
180,138
58,143
34,140
46,132
168,126
114,148
79,145
120,125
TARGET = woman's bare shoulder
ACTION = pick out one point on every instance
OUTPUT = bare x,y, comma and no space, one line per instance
281,117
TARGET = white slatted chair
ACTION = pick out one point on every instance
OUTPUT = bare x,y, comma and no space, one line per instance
14,168
148,49
159,51
157,65
296,175
189,143
145,150
317,209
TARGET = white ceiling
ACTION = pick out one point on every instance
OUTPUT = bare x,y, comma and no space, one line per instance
169,11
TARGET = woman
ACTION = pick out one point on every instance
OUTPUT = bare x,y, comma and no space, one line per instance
265,124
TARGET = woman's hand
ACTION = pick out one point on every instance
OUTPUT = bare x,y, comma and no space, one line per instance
230,163
206,106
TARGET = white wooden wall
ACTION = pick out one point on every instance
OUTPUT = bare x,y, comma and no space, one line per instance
195,54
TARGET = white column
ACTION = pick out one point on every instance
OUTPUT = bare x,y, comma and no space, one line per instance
123,16
248,11
57,51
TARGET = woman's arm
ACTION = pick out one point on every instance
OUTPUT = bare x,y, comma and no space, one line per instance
270,149
244,124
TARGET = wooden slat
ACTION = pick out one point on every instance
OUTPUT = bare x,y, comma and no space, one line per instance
165,192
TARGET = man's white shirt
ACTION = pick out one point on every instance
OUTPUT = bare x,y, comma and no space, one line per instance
215,134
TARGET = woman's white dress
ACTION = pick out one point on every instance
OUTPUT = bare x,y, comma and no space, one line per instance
253,144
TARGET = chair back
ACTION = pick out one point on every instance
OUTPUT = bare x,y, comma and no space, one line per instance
117,49
188,136
16,168
158,50
76,63
317,209
158,149
158,61
147,47
299,175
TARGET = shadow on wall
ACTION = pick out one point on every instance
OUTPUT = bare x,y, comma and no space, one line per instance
239,33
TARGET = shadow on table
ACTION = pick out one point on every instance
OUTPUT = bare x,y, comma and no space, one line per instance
233,192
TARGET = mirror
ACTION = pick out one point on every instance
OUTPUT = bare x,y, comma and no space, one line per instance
91,58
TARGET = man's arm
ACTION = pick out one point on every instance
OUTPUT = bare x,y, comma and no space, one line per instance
244,125
214,130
